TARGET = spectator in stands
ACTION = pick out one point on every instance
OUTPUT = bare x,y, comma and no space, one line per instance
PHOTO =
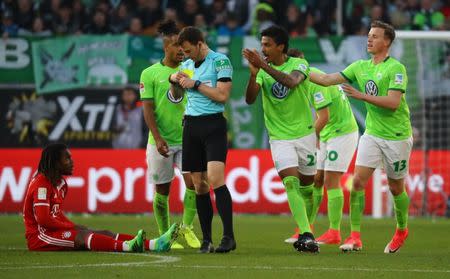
150,13
377,12
121,19
428,18
38,29
243,11
98,25
231,27
306,27
264,16
64,25
293,20
25,14
171,14
135,27
49,11
8,27
79,14
128,121
400,17
218,11
188,11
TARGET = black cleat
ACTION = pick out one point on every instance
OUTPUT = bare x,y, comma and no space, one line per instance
206,247
226,245
306,243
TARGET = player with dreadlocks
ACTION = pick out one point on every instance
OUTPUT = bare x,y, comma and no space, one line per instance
163,113
48,229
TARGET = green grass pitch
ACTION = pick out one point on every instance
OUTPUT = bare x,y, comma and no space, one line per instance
260,253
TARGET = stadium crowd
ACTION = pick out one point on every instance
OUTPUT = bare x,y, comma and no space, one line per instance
302,18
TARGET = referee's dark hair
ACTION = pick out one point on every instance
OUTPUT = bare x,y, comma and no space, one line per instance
50,160
389,31
168,28
278,34
190,34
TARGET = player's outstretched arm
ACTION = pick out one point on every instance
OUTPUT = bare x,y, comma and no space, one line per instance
391,101
327,79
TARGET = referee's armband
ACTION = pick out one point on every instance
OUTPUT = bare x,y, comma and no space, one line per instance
224,79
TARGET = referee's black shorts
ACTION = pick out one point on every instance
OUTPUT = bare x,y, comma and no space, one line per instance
204,140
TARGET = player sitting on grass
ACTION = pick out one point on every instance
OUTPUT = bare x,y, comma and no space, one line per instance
48,229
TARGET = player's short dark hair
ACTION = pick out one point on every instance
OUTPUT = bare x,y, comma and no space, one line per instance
389,31
190,34
49,162
293,52
168,28
278,34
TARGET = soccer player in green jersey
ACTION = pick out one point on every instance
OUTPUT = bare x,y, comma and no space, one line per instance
288,119
163,113
337,135
387,140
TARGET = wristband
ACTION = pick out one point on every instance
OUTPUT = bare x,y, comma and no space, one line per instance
196,84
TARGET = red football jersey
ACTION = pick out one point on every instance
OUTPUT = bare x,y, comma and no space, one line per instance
43,206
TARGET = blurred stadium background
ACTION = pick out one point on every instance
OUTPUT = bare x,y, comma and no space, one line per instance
65,68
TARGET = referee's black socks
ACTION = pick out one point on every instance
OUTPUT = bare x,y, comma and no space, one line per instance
225,208
205,214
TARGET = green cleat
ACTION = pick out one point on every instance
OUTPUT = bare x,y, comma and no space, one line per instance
164,242
137,243
191,239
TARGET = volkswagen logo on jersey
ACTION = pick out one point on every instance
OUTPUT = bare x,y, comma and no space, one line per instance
371,88
172,98
279,91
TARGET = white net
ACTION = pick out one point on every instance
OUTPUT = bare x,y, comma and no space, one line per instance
426,56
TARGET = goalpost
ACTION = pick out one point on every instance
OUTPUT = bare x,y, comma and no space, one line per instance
426,55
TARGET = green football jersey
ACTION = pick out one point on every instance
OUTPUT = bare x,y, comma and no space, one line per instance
377,80
341,119
287,112
169,111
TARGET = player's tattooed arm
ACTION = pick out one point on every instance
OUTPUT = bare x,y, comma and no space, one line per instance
289,80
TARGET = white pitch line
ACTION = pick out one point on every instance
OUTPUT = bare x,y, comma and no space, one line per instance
277,268
159,260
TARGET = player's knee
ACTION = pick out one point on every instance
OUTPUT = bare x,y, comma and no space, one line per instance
358,183
163,189
216,180
318,180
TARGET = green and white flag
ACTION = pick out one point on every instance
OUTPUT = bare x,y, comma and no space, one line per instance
78,61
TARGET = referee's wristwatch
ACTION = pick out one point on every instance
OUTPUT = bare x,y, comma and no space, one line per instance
196,84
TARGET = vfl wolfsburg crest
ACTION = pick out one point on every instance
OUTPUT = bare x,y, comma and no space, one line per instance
371,88
279,91
172,98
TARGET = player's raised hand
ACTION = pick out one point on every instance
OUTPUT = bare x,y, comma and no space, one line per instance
162,147
350,91
253,57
